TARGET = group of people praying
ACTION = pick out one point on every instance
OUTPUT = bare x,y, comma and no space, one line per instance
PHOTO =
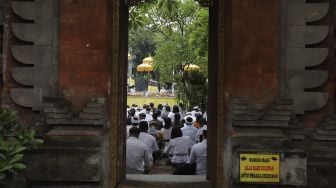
156,133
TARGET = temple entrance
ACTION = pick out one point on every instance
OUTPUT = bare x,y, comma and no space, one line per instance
167,83
118,116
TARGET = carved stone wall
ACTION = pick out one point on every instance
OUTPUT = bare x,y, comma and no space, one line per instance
297,57
37,73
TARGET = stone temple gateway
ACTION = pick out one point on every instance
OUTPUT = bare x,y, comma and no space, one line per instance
272,92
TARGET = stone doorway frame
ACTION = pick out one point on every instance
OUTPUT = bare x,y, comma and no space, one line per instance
114,142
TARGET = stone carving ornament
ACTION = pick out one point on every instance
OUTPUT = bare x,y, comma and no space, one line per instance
297,57
38,75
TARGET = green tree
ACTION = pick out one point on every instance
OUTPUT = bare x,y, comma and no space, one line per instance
180,28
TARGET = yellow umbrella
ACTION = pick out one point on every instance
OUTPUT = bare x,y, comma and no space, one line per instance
148,60
191,67
144,68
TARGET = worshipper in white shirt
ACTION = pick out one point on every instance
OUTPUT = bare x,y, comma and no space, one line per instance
166,130
171,115
148,139
188,129
179,147
148,113
135,123
137,154
195,111
199,134
198,155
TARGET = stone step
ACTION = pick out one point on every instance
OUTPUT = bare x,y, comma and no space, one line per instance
93,110
266,133
260,123
94,105
75,122
276,117
90,116
100,100
279,112
90,138
55,110
59,115
62,165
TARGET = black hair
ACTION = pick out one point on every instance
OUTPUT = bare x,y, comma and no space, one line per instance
142,116
168,108
176,109
134,132
155,115
143,125
160,106
167,122
176,132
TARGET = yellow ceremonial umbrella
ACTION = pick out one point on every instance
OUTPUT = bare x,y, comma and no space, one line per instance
148,60
191,67
144,68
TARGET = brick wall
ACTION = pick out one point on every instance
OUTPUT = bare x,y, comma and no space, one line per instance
252,49
83,69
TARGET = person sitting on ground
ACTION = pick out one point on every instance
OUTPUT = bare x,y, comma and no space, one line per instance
188,129
166,130
149,116
200,130
179,147
148,139
160,107
134,123
165,113
156,121
130,116
171,115
198,155
195,111
142,117
151,106
153,130
159,117
137,154
197,122
177,120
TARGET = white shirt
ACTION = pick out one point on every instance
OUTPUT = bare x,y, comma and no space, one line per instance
171,115
180,148
150,141
199,155
200,132
189,130
137,156
149,117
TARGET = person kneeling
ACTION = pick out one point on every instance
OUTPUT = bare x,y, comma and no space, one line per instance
137,154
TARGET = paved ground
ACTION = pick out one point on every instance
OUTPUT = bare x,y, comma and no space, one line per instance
160,167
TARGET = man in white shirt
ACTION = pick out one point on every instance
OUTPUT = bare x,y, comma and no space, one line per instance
148,139
198,155
189,130
137,154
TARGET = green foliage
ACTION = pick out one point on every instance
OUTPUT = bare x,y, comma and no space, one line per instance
142,44
179,29
13,143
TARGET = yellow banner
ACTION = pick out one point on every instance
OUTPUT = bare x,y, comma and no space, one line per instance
259,168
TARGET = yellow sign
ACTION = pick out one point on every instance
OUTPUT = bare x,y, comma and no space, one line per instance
259,168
